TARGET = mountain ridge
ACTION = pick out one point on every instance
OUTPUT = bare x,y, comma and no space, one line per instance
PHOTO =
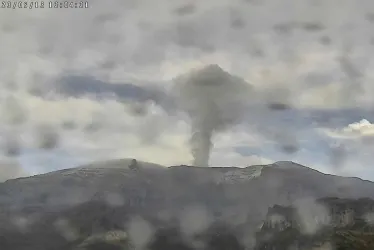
124,164
239,197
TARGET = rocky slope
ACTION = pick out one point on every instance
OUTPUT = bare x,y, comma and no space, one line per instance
328,223
99,198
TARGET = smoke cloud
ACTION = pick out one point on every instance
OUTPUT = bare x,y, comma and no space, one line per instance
214,101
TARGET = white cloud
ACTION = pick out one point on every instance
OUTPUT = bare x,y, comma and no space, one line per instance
355,130
363,127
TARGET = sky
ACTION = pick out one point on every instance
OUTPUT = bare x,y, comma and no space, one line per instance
83,85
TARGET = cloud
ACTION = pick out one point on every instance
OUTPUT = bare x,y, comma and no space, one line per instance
11,143
140,232
312,215
78,86
114,133
355,130
194,220
215,101
185,9
363,127
350,147
106,92
10,170
47,137
66,230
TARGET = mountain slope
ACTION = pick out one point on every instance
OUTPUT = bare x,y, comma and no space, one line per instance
328,223
112,193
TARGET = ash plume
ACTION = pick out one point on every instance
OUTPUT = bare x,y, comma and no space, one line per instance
214,101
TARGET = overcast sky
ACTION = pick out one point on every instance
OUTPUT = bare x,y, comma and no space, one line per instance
80,85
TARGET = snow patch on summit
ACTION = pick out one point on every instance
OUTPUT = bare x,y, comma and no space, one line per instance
286,165
252,172
241,175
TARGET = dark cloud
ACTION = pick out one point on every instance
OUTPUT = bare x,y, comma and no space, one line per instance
312,26
105,17
325,40
284,28
81,85
137,108
254,2
348,67
278,106
12,146
236,20
314,79
97,123
47,137
92,127
370,17
69,125
208,31
186,9
215,101
78,86
15,111
290,148
246,150
338,155
287,28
